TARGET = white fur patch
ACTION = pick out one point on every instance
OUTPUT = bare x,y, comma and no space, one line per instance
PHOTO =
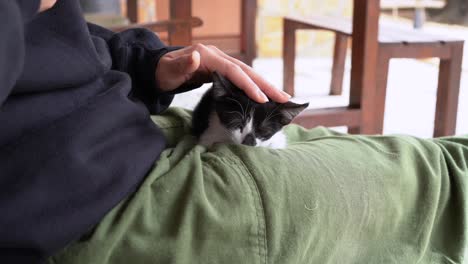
277,141
238,136
215,133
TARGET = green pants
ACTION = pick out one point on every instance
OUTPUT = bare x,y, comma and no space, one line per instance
326,198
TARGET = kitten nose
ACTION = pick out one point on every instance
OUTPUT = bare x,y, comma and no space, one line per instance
249,140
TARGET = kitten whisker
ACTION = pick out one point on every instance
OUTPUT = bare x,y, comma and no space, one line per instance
234,123
270,117
235,112
269,114
246,109
252,113
234,100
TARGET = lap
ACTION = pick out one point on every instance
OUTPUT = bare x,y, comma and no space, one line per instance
327,198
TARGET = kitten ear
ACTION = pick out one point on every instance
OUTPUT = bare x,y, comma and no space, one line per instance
220,85
290,110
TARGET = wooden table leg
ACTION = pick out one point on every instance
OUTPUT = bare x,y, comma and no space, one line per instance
248,44
448,91
339,59
132,10
364,62
289,55
180,9
381,90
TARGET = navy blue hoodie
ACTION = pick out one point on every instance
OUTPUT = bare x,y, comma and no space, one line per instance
75,130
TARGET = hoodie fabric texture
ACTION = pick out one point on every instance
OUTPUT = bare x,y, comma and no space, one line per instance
75,130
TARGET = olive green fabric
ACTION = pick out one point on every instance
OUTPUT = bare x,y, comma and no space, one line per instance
326,198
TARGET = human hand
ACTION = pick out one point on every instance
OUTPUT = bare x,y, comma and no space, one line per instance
46,4
196,63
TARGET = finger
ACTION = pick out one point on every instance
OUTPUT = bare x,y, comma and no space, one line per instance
188,64
272,92
180,69
237,76
181,52
187,50
211,61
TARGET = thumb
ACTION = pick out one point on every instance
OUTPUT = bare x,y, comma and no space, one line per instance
188,63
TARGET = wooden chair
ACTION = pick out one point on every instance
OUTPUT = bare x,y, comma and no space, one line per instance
178,27
242,46
392,43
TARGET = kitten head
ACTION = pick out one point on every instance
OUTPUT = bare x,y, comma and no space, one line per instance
247,121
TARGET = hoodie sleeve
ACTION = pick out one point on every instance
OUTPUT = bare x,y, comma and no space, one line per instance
13,16
137,51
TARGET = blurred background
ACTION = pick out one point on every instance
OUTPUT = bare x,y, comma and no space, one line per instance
253,31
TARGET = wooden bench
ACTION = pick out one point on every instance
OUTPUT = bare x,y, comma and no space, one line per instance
393,42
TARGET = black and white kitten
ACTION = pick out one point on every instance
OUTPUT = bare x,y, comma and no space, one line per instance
225,114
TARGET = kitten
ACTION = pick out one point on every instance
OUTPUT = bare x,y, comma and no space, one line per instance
225,114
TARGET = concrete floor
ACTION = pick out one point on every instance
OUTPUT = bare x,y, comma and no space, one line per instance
411,91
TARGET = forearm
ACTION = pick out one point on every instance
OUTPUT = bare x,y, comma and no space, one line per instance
137,52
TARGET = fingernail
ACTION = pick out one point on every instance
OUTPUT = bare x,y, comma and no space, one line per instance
195,55
285,94
263,96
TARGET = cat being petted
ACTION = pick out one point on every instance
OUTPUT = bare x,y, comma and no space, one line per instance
225,114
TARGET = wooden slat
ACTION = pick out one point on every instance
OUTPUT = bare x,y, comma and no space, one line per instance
381,90
364,62
180,9
330,117
416,50
248,40
132,11
336,24
388,33
162,26
447,92
339,59
289,55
